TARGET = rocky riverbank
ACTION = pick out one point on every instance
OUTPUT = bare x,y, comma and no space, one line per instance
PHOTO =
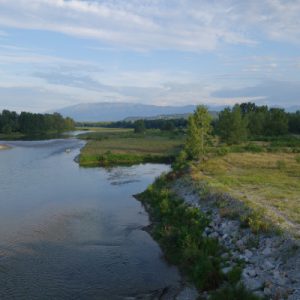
271,261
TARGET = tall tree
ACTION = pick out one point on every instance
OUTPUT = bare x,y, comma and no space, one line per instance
277,122
139,126
198,133
232,126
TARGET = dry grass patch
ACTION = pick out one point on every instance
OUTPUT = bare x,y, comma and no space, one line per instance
269,181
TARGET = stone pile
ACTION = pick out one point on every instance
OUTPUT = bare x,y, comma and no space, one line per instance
271,262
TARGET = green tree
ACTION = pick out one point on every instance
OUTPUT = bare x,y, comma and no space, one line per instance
277,122
198,133
139,126
232,126
294,122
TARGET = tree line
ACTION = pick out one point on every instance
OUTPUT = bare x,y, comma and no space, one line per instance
233,126
33,123
247,120
138,125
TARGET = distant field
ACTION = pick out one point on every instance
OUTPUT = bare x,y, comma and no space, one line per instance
111,146
104,130
267,181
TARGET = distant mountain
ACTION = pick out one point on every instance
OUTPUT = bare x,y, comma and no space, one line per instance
107,111
159,117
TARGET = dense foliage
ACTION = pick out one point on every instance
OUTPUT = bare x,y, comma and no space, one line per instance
232,126
139,126
198,133
31,123
247,120
162,124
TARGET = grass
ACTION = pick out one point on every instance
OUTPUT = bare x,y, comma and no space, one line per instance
267,182
11,136
114,146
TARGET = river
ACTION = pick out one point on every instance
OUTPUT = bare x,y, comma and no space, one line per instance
75,233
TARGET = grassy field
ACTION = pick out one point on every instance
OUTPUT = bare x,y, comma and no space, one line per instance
267,182
114,146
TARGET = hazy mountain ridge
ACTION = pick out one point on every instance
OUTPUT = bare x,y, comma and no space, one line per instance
108,111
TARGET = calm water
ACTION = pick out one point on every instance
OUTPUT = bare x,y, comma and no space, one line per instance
74,233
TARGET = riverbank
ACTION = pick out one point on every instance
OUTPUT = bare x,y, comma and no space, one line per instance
113,147
271,260
179,228
186,219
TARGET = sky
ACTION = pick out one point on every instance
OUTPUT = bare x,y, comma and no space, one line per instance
56,53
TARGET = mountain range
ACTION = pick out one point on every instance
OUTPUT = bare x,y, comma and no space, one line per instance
108,111
112,111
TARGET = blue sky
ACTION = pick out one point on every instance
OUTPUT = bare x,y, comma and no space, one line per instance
55,53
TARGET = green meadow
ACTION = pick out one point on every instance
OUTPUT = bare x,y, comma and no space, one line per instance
117,146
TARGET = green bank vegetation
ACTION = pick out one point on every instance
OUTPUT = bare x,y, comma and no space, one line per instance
113,146
179,230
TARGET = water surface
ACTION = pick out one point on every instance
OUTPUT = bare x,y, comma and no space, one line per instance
74,233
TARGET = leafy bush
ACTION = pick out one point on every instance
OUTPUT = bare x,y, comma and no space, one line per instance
222,151
251,147
234,275
180,162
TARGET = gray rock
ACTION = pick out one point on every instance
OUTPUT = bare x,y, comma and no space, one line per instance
267,292
267,265
214,235
240,244
249,272
259,294
188,293
253,284
267,251
226,270
279,278
248,253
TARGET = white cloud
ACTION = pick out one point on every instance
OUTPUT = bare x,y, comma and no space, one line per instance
184,25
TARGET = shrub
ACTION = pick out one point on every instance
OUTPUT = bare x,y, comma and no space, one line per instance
234,275
222,151
256,221
180,162
251,147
